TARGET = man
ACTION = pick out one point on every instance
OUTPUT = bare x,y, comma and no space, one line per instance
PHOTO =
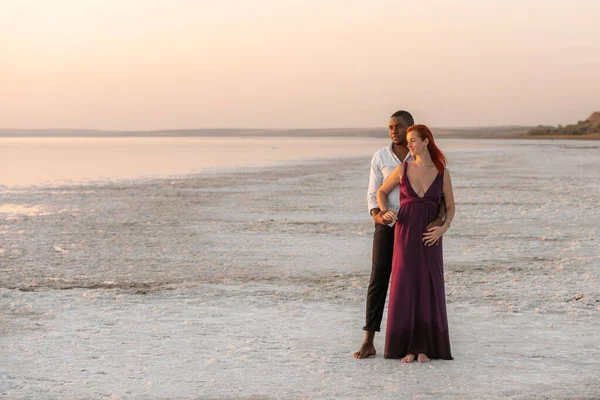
383,163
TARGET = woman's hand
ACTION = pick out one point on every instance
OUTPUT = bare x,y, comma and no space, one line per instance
390,216
433,235
385,217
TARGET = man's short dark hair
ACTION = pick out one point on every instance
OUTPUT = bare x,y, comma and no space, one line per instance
405,116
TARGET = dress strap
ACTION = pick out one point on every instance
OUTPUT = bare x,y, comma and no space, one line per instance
404,168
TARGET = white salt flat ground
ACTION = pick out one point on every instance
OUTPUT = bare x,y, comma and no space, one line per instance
252,285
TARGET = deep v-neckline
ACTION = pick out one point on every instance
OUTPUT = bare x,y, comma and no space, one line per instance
413,188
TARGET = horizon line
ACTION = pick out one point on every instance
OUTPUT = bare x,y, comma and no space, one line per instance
255,129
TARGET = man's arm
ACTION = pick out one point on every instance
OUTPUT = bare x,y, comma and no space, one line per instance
375,181
441,209
439,219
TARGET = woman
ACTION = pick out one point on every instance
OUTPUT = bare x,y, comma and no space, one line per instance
417,324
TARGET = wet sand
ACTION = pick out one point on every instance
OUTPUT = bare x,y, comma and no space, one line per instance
253,284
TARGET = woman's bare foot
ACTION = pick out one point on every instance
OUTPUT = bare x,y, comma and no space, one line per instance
408,358
366,350
423,358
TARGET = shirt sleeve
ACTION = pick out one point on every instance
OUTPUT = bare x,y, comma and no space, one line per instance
375,181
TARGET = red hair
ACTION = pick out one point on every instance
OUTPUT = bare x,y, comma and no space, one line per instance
438,158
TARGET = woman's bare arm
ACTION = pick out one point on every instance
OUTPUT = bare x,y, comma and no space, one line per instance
387,186
449,199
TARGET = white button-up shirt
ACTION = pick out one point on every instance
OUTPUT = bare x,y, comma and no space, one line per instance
383,164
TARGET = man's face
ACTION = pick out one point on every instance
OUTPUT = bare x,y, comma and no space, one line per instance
397,128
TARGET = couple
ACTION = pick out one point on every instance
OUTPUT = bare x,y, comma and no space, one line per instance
412,204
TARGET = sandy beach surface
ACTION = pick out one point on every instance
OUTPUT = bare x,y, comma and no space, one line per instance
252,284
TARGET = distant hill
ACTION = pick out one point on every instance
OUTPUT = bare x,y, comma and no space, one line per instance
594,118
590,128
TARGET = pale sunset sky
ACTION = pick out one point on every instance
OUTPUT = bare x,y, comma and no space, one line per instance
158,64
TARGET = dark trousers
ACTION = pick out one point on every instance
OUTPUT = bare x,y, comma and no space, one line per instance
383,250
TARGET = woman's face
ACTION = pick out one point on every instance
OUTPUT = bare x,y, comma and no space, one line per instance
416,145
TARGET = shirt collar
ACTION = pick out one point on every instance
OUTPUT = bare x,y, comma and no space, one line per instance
391,150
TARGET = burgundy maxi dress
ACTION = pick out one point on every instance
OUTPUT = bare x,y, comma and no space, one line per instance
417,320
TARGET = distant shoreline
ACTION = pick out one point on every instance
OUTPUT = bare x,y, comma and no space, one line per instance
558,137
499,132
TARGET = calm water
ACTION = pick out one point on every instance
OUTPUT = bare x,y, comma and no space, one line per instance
32,161
35,161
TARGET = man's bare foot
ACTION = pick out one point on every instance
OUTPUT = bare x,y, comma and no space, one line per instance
408,358
366,350
423,358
